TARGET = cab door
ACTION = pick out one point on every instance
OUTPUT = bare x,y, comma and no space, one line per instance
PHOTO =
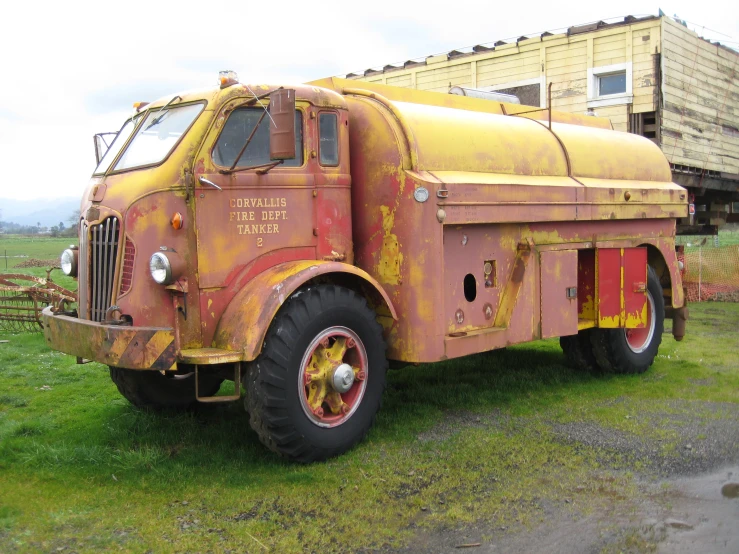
258,217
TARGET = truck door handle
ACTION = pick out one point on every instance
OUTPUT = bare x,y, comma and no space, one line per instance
203,181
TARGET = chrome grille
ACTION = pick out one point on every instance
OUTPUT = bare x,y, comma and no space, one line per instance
99,245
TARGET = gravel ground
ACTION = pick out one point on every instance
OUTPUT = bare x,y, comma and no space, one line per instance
678,507
707,439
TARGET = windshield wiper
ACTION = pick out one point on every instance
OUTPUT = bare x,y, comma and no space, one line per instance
158,120
261,168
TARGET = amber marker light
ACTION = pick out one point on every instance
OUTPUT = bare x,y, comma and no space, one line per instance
227,78
139,105
177,221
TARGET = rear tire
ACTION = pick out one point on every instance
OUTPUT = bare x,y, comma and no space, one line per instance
578,351
292,406
633,350
155,391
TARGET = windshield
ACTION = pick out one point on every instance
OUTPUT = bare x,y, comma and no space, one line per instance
118,143
158,135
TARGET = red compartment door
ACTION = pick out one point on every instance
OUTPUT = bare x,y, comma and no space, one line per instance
558,308
635,288
622,286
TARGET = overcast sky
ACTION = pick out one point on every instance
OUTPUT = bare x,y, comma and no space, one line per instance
71,69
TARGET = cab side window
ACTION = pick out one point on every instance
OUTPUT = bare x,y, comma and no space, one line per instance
328,134
236,132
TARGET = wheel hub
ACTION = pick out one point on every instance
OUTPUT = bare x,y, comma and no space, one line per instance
343,378
333,376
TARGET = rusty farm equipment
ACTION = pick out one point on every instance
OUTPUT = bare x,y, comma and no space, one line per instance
22,297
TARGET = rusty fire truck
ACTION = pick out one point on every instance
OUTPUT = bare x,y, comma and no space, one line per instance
295,239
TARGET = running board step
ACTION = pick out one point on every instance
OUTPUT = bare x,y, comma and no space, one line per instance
208,356
213,356
230,398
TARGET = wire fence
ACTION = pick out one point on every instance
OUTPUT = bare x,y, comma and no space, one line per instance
712,267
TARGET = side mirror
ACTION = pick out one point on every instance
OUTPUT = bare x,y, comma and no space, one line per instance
282,131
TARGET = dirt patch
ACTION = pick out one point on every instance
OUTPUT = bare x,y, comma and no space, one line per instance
33,262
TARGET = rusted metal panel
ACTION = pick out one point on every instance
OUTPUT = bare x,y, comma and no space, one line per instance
610,283
634,314
559,293
245,322
389,225
282,136
470,303
251,216
206,356
622,282
116,345
146,224
586,292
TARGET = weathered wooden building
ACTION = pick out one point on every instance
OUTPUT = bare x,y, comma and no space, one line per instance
651,76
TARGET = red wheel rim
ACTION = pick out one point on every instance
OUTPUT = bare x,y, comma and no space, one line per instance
638,340
334,349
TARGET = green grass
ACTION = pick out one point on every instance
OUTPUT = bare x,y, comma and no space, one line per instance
727,236
41,248
20,248
83,470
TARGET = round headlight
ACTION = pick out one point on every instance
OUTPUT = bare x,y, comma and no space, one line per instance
69,262
160,268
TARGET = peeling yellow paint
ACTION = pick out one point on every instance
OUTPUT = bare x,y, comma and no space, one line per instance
612,322
588,308
636,320
388,268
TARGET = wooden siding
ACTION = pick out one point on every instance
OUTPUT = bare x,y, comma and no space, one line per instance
700,90
560,59
609,50
517,65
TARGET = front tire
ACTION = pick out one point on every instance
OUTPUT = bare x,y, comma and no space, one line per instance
633,350
156,391
317,385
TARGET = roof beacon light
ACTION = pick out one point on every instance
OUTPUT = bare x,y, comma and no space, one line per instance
227,78
140,105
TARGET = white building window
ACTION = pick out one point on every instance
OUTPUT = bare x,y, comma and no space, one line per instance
610,85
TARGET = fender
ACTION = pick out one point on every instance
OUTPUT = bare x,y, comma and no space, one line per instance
245,321
669,257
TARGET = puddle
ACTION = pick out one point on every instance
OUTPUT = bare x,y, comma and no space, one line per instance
705,504
730,490
712,486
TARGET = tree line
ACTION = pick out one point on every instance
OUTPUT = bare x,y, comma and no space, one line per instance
59,230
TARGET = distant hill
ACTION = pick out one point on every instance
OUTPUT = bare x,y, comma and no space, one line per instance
47,211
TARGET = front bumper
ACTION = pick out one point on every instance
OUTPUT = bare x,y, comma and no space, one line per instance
116,345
